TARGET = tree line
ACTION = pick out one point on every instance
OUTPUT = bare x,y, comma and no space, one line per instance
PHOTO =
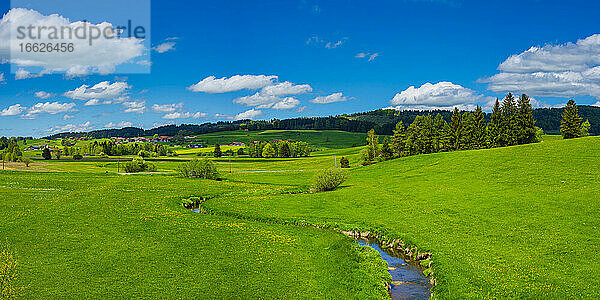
282,149
511,123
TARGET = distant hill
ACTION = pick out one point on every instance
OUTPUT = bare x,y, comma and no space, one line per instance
383,121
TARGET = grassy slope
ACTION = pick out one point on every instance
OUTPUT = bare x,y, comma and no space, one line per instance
511,222
86,235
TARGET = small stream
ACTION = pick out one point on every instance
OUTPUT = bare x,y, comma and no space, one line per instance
408,281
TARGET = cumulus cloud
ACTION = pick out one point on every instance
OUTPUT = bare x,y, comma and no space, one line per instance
286,103
43,95
271,95
71,128
336,97
52,108
137,107
164,47
12,110
101,93
24,74
215,85
565,70
121,124
249,114
166,108
102,56
442,95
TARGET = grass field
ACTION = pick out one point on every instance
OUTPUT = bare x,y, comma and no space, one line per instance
516,222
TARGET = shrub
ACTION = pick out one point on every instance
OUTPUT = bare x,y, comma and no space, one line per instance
138,164
240,151
199,168
328,180
143,153
77,157
344,163
103,155
26,161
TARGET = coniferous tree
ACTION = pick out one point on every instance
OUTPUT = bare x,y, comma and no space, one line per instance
526,131
426,134
438,133
585,128
399,139
268,151
494,127
570,126
479,129
387,152
509,127
284,149
456,130
467,140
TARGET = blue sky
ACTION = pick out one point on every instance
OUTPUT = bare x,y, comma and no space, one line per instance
452,53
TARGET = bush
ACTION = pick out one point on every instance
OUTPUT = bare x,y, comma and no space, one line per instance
138,164
143,153
328,180
344,163
103,155
199,168
77,157
26,161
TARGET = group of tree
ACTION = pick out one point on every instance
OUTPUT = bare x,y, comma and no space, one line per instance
278,149
112,149
10,149
138,164
571,125
511,123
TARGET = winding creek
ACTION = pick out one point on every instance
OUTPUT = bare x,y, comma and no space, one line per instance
408,281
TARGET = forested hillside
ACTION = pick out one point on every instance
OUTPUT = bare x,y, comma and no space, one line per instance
383,121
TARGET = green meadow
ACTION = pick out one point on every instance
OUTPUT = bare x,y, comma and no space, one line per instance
513,222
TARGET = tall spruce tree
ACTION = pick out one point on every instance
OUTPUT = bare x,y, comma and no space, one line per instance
570,126
399,139
509,127
456,130
479,129
387,152
426,134
468,133
494,127
525,122
438,133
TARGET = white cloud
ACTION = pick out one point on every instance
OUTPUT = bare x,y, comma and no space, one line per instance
67,116
367,55
121,124
71,128
286,103
24,74
214,85
137,107
442,95
43,95
336,97
166,108
249,114
1,77
184,115
52,108
115,92
164,47
333,45
102,56
270,95
12,110
565,70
